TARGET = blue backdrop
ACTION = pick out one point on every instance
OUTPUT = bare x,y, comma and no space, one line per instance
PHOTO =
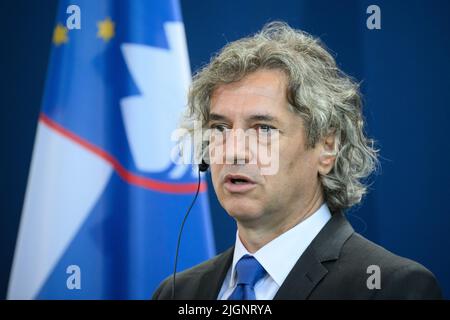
405,74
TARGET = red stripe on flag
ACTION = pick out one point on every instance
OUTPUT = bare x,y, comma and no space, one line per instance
126,175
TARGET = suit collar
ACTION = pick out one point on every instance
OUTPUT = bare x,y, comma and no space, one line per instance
305,275
309,270
287,247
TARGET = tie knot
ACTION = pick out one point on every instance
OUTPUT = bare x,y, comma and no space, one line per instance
249,271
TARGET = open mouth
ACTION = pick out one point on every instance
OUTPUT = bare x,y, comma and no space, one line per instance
238,183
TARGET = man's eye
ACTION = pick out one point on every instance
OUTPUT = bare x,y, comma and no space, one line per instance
218,127
265,128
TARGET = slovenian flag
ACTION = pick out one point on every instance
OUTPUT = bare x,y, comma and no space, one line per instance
104,202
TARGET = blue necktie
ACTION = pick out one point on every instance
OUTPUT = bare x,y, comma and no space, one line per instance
249,272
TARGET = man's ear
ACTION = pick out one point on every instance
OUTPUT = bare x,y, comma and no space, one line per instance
328,152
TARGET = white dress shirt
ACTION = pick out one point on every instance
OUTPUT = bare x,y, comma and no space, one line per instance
278,257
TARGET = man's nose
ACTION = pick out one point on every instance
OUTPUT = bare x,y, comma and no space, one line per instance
237,149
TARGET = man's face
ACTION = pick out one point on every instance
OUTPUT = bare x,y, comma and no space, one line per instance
259,102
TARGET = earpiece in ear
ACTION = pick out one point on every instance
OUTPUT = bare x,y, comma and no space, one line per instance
203,166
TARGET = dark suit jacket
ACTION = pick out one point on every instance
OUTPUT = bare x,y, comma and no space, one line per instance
334,266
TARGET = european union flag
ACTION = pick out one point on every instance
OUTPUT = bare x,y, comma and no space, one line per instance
104,201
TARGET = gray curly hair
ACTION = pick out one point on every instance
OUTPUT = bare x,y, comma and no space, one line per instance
328,100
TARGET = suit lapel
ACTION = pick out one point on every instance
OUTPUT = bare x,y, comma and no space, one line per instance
211,281
302,279
309,270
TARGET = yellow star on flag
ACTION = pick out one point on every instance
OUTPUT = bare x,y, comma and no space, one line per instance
105,29
60,35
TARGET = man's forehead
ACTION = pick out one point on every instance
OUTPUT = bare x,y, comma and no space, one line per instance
258,96
269,84
243,91
247,106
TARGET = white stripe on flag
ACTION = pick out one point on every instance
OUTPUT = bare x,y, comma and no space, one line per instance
64,184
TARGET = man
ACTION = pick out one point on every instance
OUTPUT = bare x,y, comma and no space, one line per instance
293,240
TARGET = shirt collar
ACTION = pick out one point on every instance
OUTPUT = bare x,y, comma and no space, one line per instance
279,256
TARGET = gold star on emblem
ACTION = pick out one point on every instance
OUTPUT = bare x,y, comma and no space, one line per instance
105,29
60,35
